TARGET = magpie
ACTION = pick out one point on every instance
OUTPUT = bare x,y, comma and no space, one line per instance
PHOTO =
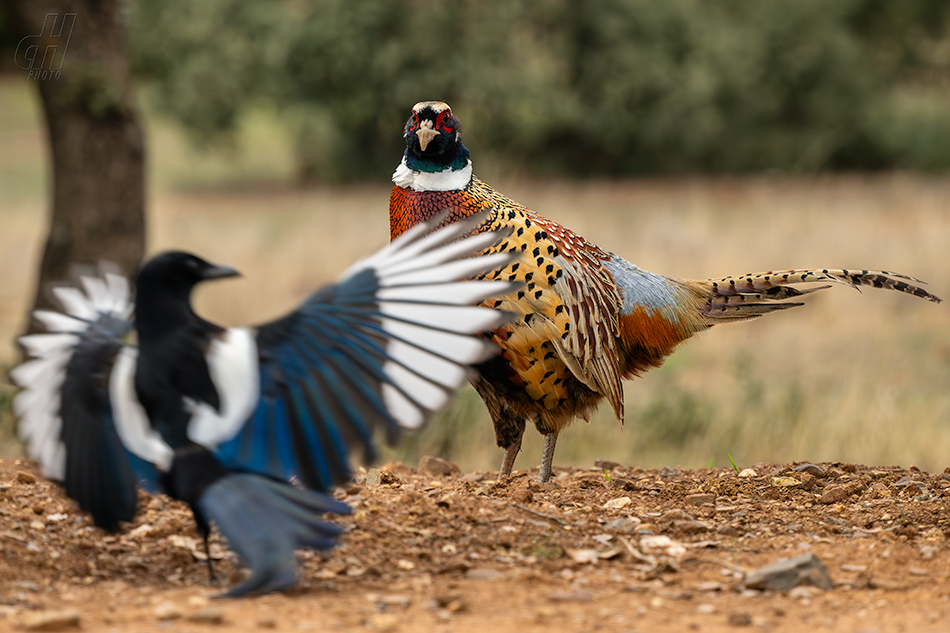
252,426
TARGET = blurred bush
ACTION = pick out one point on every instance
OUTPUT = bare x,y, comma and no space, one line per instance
605,87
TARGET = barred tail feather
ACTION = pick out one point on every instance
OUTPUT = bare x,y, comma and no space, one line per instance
744,297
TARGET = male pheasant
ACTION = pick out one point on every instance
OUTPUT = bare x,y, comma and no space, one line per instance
586,318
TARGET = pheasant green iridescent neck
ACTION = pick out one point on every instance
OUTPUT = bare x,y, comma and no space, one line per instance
435,164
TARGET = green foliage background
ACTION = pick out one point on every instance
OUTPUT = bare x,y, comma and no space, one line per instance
603,87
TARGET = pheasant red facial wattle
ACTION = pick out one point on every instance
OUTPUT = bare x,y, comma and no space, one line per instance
586,318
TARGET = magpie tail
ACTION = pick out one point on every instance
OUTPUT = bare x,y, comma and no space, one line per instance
265,521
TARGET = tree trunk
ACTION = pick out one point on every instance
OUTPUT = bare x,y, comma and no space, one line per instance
74,51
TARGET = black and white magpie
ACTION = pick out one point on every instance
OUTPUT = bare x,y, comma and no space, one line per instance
250,426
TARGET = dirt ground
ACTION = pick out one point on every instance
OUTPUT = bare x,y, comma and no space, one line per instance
612,548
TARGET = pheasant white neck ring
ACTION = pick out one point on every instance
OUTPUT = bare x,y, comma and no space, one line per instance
446,180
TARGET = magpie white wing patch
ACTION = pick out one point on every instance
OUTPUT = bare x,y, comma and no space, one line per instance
131,421
232,361
41,377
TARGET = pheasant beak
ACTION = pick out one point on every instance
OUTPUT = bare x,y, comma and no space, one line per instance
426,133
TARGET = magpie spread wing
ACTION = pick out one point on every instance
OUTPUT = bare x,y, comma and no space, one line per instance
386,346
67,416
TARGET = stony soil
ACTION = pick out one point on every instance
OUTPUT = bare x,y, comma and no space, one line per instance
613,548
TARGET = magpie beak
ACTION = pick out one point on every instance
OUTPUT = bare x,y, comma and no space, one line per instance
219,272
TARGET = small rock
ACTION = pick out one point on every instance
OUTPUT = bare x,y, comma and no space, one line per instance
374,477
785,482
748,472
706,609
785,574
483,573
838,493
50,620
208,615
808,481
700,499
583,555
802,593
522,496
451,602
727,530
407,565
168,611
885,584
473,478
676,515
616,504
437,466
663,548
394,600
25,478
811,469
571,596
740,619
623,524
267,623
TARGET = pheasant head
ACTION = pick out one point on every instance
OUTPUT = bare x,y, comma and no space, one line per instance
433,138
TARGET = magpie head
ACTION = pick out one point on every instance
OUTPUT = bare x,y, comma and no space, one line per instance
171,276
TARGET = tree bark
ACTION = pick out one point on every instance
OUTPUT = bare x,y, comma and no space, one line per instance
80,68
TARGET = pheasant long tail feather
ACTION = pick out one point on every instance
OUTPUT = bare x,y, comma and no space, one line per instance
749,296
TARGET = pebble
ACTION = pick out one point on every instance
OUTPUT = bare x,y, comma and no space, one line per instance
748,472
168,611
623,524
374,477
25,478
616,504
700,499
785,574
811,469
51,620
208,615
437,466
394,600
808,481
676,515
785,482
835,494
740,619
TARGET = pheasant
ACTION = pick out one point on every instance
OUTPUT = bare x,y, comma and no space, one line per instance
586,319
229,419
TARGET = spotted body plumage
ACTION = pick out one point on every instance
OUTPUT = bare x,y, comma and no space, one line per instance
585,318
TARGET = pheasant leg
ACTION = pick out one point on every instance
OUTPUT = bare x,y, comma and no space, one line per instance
547,456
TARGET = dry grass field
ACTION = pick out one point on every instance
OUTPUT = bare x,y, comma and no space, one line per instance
859,377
